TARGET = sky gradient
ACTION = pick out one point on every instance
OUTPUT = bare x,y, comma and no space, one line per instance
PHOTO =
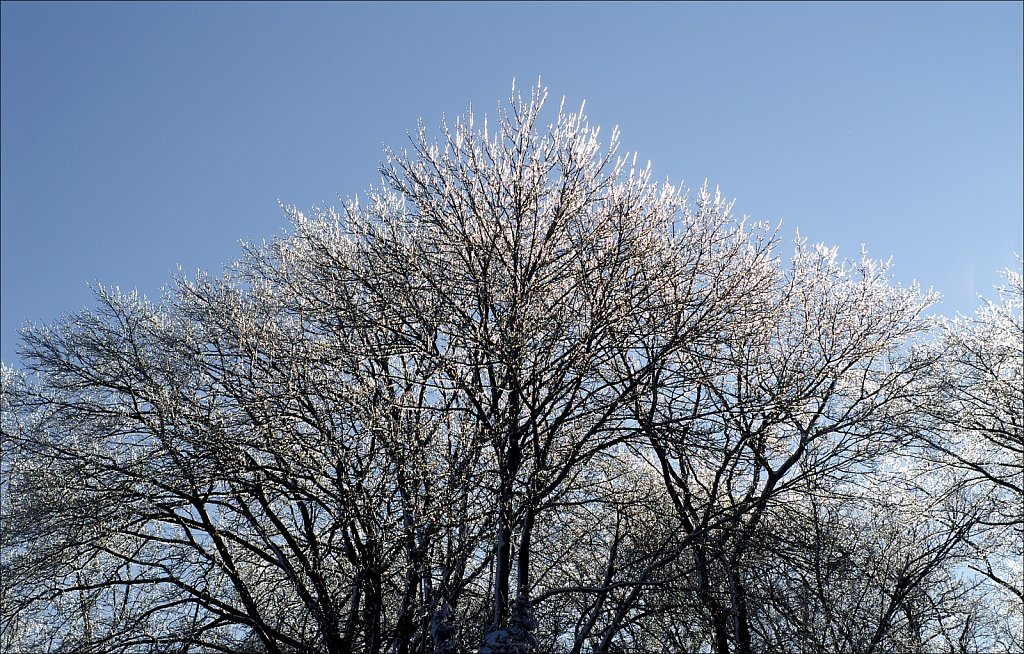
137,138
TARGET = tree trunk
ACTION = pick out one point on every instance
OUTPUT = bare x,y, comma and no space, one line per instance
523,570
741,620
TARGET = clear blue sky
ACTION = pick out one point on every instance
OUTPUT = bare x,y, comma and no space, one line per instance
140,137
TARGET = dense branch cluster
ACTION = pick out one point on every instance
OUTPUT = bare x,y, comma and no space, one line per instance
520,399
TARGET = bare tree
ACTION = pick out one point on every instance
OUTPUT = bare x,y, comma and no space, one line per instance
808,390
972,442
547,283
519,399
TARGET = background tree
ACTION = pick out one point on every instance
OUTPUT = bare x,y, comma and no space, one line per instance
972,440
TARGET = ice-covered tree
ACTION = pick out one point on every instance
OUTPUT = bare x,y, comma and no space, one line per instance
973,441
520,398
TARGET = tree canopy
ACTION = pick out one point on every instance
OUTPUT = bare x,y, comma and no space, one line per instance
520,398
